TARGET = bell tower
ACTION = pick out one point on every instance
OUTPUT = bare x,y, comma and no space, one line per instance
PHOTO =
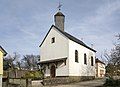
59,19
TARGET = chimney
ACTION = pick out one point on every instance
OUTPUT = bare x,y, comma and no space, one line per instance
59,19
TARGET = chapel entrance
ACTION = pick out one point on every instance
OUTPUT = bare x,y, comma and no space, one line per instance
52,71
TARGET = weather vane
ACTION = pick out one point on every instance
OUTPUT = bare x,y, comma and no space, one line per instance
59,6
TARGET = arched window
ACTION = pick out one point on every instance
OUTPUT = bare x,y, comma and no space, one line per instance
85,58
76,56
91,60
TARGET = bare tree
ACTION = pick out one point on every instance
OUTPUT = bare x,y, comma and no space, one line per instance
12,61
30,61
113,58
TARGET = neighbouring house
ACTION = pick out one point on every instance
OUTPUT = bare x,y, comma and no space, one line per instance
63,55
2,54
100,68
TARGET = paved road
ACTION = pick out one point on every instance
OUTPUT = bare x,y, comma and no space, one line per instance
93,83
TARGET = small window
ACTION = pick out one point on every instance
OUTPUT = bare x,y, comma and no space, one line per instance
76,56
53,40
85,58
91,60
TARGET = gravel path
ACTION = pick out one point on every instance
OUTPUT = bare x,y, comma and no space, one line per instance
92,83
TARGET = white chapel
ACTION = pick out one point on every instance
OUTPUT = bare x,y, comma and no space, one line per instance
63,55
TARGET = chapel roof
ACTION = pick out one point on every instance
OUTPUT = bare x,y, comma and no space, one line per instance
59,14
99,61
70,37
52,61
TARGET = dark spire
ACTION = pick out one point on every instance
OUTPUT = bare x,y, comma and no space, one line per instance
59,14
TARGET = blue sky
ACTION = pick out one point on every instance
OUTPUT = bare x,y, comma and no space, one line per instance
24,23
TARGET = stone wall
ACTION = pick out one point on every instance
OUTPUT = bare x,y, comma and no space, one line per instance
14,85
37,83
66,80
18,73
21,82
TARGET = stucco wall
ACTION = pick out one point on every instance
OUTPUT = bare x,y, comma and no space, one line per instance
1,63
80,69
61,70
62,48
57,50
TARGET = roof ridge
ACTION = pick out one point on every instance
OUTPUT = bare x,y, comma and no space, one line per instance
74,39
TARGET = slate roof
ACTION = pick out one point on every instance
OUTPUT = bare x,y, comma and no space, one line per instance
4,52
70,37
59,14
98,61
52,61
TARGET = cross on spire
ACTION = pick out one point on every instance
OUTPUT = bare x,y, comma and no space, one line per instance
59,6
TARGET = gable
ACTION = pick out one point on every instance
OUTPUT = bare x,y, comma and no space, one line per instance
99,61
52,27
54,49
69,37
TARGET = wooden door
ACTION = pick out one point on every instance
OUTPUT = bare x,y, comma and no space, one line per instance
52,71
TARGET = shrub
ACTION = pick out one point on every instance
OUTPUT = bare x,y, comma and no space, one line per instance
112,82
33,75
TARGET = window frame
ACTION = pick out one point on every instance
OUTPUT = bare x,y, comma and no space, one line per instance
85,58
53,40
92,61
76,56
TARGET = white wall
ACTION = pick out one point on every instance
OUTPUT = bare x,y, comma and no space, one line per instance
57,50
80,69
61,70
62,48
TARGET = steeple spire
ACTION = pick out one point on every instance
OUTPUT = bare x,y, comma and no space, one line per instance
59,18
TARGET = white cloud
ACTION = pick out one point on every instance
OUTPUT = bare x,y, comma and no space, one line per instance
29,34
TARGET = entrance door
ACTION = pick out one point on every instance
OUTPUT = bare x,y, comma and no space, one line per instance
52,71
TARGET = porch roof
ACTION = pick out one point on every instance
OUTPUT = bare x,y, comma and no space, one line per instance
53,61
